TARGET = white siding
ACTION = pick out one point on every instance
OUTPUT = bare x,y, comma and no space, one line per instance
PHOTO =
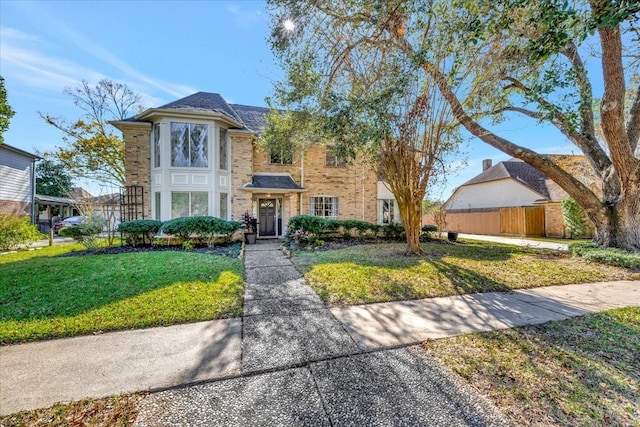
493,194
15,176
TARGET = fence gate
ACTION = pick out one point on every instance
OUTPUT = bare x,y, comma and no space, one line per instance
132,203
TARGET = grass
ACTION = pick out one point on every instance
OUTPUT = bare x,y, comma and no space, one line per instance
43,296
381,272
580,371
119,410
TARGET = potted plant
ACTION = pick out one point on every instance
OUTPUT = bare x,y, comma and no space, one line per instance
250,223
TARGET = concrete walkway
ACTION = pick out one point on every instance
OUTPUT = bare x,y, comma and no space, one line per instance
527,243
289,360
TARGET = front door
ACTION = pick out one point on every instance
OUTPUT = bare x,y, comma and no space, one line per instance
267,217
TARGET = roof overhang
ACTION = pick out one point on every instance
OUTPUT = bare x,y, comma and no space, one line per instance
273,183
120,124
153,114
21,152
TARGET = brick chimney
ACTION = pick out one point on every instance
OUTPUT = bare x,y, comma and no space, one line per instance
486,164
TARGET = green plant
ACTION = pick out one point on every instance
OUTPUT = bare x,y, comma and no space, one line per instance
206,227
249,222
140,231
187,245
16,231
573,217
611,256
86,233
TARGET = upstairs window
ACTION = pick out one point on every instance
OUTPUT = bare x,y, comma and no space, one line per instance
324,206
189,148
333,160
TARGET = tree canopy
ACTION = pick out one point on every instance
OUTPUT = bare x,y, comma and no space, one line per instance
52,179
494,60
371,103
92,150
6,112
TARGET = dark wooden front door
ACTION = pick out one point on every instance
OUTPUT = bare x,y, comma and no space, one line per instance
267,217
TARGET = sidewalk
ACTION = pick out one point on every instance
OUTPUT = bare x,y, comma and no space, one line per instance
289,360
517,241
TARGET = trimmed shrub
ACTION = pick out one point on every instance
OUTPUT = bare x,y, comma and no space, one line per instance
317,228
16,231
611,256
393,231
86,233
140,231
351,227
205,227
310,224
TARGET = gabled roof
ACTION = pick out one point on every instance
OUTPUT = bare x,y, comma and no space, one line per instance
21,152
242,117
203,101
517,170
273,183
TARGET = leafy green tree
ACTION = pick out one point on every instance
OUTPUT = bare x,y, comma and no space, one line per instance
495,60
6,112
379,106
92,150
52,179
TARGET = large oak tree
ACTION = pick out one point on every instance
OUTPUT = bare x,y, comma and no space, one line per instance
505,57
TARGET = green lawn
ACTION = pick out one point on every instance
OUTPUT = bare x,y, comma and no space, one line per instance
577,372
381,272
43,296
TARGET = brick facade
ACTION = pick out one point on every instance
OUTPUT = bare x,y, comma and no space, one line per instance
554,222
137,161
10,207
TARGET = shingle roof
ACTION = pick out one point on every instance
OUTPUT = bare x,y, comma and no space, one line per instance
252,117
515,169
273,182
203,101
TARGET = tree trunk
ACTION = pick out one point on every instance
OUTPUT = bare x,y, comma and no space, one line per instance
410,213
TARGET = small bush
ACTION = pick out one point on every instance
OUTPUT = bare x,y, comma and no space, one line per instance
86,233
310,224
393,231
611,256
140,231
16,231
430,228
362,228
206,227
573,217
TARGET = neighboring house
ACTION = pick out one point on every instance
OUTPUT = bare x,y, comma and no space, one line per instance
17,182
513,198
198,156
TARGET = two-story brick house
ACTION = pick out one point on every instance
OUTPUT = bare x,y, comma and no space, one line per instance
198,156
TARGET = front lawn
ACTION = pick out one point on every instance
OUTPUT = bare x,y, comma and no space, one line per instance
583,371
381,272
45,296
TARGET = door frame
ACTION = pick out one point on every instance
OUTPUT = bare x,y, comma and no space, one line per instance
279,215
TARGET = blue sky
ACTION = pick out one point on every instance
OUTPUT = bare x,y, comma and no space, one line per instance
163,50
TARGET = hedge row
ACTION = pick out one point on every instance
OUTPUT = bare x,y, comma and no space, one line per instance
314,227
208,228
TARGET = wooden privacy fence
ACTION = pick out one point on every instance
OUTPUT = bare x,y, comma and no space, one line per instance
516,221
